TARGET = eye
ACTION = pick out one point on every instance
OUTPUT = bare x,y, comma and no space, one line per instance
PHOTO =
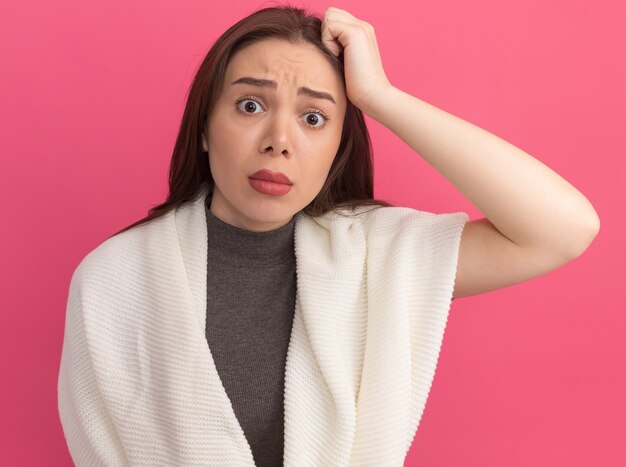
252,105
314,117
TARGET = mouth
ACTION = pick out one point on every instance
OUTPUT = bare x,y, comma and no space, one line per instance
267,187
269,176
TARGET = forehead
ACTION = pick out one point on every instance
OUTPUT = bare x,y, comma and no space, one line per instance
289,64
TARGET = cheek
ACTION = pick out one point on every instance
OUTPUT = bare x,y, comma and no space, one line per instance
330,152
221,134
226,143
318,167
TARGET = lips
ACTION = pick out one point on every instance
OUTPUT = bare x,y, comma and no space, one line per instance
276,177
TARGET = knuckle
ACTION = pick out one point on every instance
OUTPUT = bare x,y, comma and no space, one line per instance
366,26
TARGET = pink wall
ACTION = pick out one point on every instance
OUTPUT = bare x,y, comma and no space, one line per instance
91,97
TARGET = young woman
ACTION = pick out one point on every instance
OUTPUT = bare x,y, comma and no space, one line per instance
270,311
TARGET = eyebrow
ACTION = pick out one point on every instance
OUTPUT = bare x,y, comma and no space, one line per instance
272,84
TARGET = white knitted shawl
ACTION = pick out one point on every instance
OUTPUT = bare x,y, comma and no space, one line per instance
138,385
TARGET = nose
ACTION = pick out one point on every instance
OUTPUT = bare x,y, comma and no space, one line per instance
277,139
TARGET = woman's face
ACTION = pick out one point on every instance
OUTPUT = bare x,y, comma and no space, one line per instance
279,127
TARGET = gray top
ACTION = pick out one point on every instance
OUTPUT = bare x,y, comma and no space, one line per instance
251,291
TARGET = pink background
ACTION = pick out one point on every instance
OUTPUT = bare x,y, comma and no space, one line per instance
91,96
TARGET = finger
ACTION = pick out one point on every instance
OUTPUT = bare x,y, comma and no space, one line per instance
330,39
343,14
337,14
335,34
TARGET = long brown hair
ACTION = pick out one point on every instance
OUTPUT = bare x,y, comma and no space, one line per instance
350,179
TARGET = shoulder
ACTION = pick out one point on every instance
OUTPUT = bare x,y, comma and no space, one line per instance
113,286
385,227
110,259
383,218
391,220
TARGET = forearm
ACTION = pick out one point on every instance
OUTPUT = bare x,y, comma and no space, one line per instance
525,200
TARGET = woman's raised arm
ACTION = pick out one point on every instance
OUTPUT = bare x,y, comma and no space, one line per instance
535,220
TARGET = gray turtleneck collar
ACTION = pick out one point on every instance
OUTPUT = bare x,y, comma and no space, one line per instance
240,247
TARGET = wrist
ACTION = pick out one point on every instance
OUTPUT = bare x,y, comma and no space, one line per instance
375,103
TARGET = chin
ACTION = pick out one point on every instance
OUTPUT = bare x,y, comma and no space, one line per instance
269,212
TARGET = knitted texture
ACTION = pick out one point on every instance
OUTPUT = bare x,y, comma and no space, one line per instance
138,384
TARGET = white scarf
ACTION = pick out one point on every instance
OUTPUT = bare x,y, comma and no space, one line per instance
137,382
